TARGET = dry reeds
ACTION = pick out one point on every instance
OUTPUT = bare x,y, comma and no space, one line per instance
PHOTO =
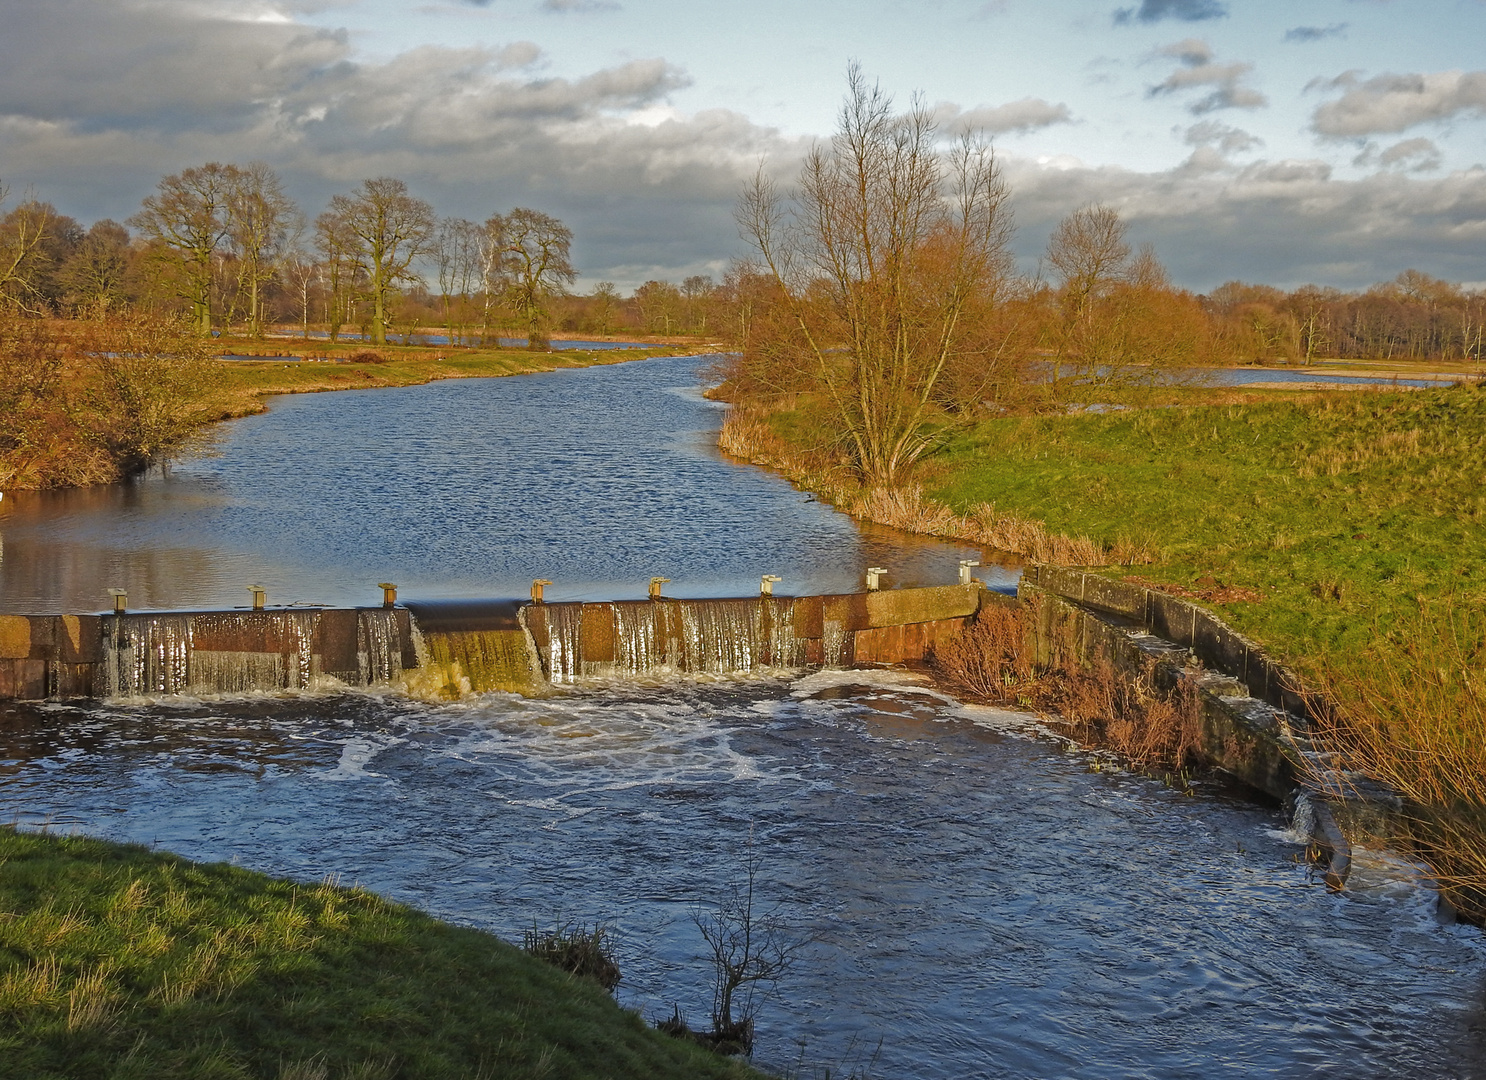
1125,710
909,509
1411,714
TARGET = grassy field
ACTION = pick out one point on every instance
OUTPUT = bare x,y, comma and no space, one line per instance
1343,511
120,962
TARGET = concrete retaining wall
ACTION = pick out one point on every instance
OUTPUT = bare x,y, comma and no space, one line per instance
1216,644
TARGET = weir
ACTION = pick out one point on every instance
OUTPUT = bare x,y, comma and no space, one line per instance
448,649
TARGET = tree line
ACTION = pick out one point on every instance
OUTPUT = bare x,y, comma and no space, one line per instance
882,303
225,245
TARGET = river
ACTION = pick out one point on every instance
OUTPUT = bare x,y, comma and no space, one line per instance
980,898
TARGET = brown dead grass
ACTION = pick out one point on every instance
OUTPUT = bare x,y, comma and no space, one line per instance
1126,711
1412,715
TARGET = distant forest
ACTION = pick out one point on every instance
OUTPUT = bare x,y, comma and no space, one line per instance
224,245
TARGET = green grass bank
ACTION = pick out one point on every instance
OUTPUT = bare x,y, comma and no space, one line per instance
1342,529
119,962
1343,514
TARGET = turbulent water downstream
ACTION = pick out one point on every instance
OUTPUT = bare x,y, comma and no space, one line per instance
983,901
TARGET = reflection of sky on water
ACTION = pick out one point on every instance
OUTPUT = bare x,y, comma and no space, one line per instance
598,479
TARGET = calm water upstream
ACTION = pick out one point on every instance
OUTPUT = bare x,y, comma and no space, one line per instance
984,901
597,479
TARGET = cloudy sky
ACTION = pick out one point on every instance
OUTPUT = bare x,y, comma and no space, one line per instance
1287,141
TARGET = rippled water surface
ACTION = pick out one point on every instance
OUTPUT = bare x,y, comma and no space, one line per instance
982,903
597,479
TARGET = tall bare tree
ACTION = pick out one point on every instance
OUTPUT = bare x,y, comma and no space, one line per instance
534,266
1089,258
93,280
887,242
263,225
390,229
457,257
187,220
24,236
340,268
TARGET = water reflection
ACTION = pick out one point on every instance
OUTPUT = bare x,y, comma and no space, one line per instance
597,479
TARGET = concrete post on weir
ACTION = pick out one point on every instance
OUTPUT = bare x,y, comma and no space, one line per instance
389,594
119,600
537,586
766,584
874,578
260,596
655,584
965,566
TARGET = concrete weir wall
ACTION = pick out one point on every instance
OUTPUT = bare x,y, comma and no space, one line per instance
1255,725
1253,721
463,648
82,656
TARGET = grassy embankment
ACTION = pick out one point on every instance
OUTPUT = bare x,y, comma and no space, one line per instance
1343,530
242,384
117,961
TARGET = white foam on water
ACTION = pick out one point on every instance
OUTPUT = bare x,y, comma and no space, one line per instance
356,755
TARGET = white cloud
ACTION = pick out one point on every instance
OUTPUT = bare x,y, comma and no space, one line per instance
99,98
1413,155
1285,223
1392,103
1198,71
1028,114
1227,139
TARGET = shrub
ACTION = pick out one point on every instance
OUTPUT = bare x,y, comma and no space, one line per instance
576,949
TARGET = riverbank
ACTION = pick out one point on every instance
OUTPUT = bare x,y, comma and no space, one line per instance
243,384
1341,530
83,404
117,960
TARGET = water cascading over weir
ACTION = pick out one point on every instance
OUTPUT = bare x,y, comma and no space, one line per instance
447,649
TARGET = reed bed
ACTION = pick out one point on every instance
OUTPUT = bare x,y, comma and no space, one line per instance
1411,714
1126,711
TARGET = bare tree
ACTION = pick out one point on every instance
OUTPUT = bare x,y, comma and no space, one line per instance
457,257
660,306
750,949
1089,258
887,242
263,225
300,274
389,229
187,219
24,236
93,279
604,304
697,290
341,270
534,266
